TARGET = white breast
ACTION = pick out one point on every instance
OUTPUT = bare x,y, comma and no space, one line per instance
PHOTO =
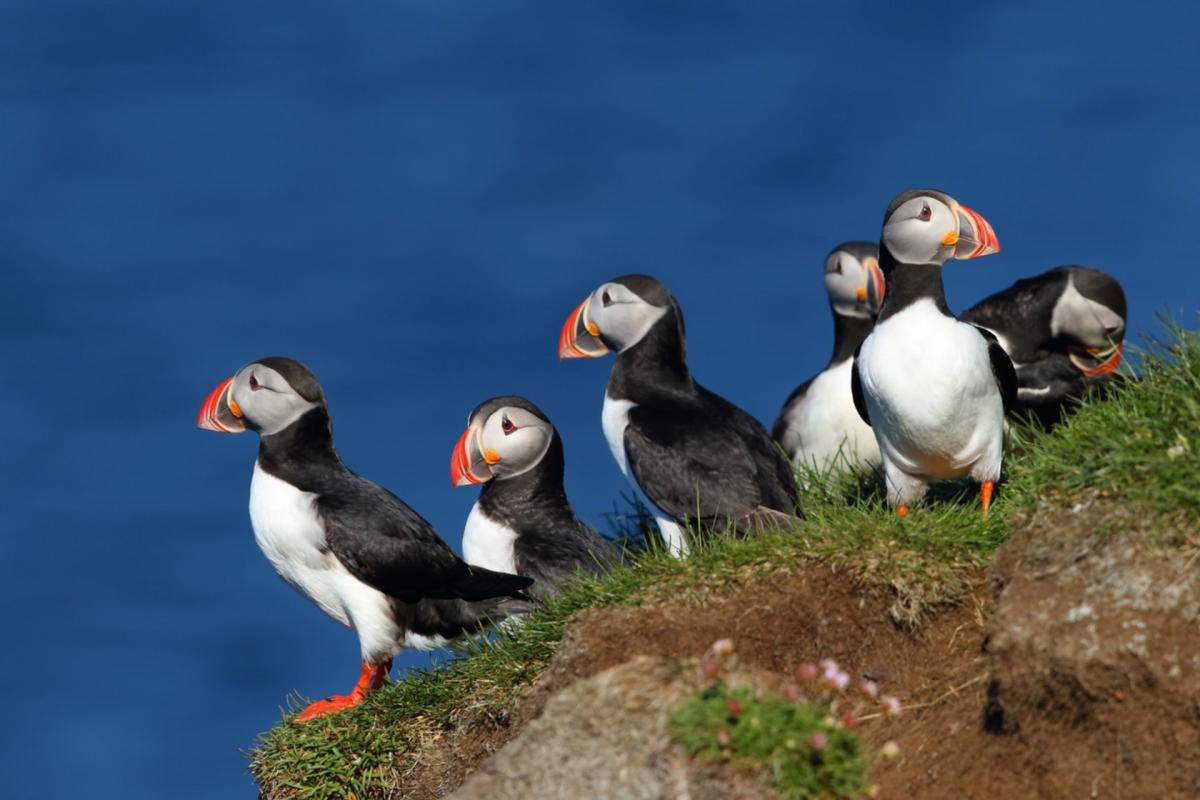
291,536
824,429
930,392
614,418
487,543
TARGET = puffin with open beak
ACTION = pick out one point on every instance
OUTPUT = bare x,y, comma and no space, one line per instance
1064,331
698,459
818,427
522,522
352,547
934,389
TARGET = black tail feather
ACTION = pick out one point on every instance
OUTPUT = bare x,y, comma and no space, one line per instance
481,584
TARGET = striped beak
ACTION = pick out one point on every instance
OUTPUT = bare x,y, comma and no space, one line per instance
1095,362
876,286
975,236
219,412
580,338
468,465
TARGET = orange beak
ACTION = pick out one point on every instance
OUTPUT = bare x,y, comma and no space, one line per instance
467,465
876,286
1096,364
580,338
975,235
220,413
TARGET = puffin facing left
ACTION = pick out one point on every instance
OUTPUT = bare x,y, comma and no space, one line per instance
352,547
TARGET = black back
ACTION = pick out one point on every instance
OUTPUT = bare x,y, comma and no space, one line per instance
552,543
696,456
1022,312
373,533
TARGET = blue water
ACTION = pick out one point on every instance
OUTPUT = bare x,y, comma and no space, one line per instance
410,197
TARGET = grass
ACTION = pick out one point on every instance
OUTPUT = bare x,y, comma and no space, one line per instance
802,750
1139,447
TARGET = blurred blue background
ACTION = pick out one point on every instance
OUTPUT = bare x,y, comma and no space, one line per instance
410,198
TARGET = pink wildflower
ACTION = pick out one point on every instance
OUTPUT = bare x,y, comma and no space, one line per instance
870,689
818,740
891,706
723,738
791,693
734,708
807,672
849,720
710,670
722,647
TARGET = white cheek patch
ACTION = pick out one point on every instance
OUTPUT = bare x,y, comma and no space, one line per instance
626,323
911,241
1084,319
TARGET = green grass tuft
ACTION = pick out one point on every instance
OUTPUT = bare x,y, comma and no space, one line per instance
1140,446
778,736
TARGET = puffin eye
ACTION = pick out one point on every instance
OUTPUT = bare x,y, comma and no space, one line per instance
605,299
254,384
838,268
926,213
507,426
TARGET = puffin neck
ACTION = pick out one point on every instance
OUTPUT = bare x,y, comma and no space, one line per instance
302,451
848,333
908,283
540,486
656,365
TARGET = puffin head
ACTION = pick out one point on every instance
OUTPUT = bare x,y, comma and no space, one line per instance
266,396
1089,318
925,226
615,317
854,280
505,437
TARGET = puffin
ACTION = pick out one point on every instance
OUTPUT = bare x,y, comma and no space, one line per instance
934,389
350,546
1064,331
697,459
522,522
819,427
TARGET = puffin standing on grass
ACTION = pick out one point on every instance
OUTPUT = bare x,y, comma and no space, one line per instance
934,389
819,427
522,522
1064,331
697,458
352,547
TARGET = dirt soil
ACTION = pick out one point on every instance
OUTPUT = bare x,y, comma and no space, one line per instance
1072,670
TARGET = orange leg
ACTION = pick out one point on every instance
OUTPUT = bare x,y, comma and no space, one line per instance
985,496
370,679
902,510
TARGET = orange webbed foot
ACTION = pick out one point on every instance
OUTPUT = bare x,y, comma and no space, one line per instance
330,705
371,678
902,510
985,496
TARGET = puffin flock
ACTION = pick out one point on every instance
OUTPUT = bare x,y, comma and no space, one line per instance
911,391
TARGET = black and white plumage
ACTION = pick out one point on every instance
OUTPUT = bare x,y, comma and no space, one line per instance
1064,331
819,427
934,389
522,522
349,545
697,458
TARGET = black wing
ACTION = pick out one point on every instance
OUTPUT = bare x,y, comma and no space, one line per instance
553,556
860,402
707,460
390,547
1002,368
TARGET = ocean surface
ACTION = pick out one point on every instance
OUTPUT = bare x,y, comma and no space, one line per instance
410,198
